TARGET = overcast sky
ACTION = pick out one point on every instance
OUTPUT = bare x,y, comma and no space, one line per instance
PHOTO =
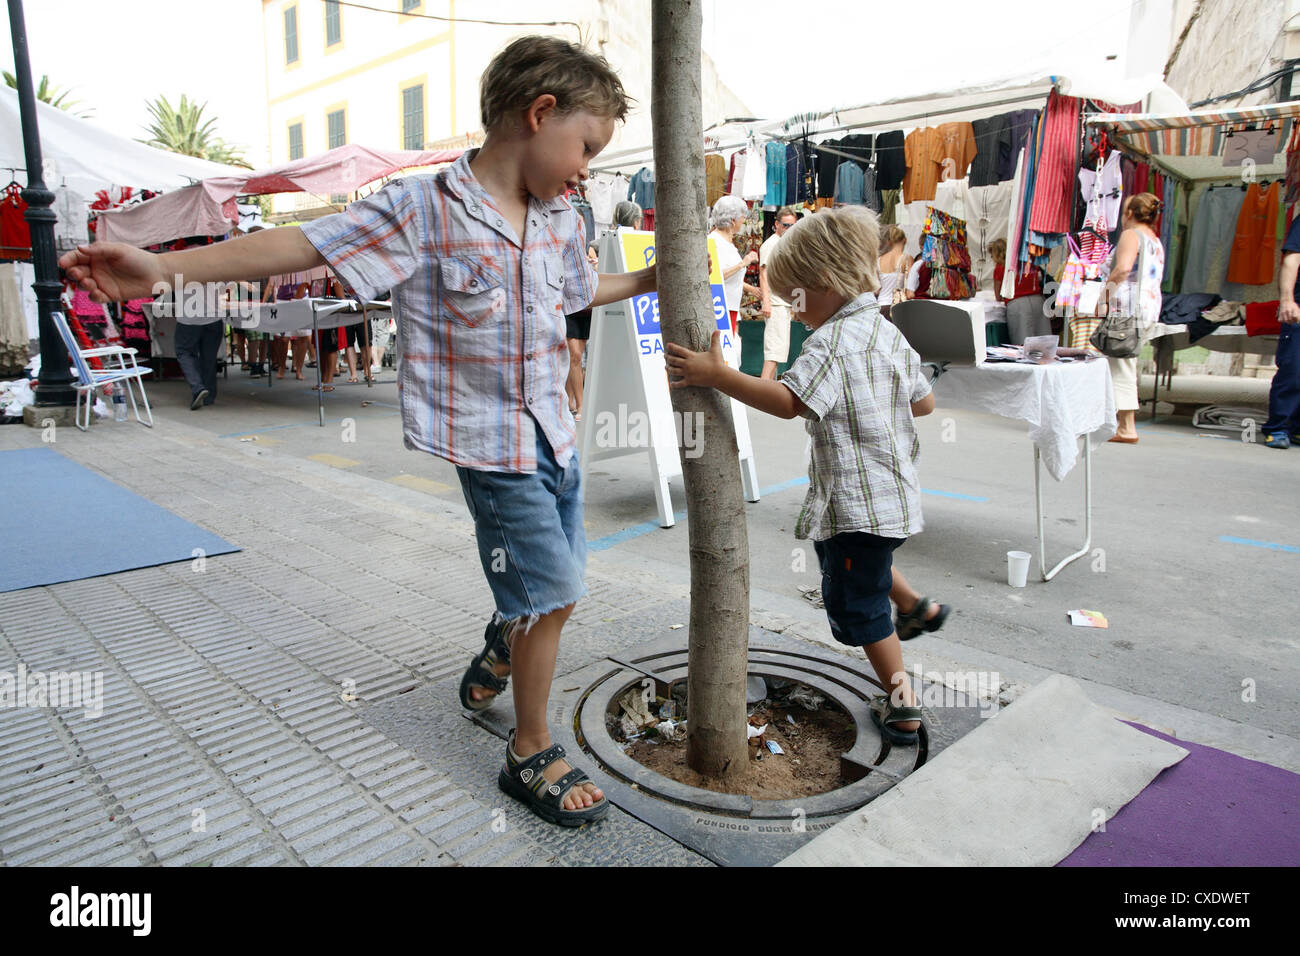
778,56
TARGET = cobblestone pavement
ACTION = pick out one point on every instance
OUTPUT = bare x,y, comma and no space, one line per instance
229,733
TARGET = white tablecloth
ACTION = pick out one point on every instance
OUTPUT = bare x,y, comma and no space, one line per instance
275,317
1060,403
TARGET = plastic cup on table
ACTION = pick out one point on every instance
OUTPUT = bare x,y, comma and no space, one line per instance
1017,568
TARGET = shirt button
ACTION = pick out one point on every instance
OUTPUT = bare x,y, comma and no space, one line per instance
530,308
473,281
498,222
529,356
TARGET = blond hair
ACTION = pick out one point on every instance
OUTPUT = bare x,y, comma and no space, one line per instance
834,252
998,251
535,65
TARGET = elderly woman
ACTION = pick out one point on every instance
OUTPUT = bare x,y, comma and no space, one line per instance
1133,287
727,217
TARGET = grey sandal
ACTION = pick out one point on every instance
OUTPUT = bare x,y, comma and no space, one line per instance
481,673
909,625
884,715
523,780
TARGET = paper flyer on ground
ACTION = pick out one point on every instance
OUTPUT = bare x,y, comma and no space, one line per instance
1088,619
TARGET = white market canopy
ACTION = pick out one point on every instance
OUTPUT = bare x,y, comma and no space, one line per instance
975,101
1191,144
86,158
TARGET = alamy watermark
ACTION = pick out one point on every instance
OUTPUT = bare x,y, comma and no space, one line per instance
626,428
24,688
954,689
231,301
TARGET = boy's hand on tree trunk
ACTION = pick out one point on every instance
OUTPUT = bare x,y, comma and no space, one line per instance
695,369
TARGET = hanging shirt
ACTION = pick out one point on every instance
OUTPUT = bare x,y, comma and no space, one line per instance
641,190
754,184
775,192
601,193
891,160
849,184
1103,193
1254,241
715,177
1056,165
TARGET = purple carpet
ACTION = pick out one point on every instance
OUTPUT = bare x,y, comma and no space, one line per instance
1210,809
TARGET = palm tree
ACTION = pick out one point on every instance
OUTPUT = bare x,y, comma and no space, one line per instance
47,92
182,129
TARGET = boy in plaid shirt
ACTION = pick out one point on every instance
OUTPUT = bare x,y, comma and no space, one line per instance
859,384
484,260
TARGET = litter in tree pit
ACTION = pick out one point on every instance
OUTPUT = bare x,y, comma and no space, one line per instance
796,738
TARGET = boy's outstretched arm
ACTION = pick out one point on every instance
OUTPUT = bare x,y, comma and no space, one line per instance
615,286
708,370
116,272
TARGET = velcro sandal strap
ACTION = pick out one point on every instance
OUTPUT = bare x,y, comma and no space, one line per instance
490,681
560,788
898,715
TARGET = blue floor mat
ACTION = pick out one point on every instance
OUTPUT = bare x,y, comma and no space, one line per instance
62,522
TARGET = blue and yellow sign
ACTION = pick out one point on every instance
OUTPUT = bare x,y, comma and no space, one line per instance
639,253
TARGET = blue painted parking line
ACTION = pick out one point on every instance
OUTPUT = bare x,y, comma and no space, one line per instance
1267,545
953,494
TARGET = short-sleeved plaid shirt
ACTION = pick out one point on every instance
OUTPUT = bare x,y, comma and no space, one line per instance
480,314
859,378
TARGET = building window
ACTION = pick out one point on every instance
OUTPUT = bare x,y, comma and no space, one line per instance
333,23
338,128
295,141
413,117
291,35
409,5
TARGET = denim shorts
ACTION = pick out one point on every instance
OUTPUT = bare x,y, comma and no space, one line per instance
530,534
857,573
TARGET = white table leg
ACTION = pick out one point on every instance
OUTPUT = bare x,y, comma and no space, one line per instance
1087,512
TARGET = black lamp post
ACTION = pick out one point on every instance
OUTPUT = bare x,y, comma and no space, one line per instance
55,386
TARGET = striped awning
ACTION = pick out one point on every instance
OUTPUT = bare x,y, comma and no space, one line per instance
1175,139
1143,122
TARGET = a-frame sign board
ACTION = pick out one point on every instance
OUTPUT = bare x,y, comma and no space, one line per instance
626,408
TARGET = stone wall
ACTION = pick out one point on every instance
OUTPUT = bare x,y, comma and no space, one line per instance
1230,44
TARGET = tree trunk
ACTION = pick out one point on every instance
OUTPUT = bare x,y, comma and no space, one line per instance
719,624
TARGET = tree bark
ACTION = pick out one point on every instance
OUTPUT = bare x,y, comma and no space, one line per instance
717,744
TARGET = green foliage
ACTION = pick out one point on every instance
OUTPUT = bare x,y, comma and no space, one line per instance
182,129
47,92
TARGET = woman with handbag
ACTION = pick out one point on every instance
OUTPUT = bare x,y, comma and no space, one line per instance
1132,290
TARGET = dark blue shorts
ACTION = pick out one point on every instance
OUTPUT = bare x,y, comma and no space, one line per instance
857,573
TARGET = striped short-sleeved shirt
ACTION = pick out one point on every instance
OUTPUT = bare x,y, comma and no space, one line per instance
858,377
480,313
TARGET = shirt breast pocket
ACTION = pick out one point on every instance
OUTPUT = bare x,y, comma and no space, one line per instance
473,292
555,281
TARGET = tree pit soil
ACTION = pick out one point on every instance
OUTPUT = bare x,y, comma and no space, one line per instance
810,765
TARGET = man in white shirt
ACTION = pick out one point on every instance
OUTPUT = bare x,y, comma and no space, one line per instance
776,335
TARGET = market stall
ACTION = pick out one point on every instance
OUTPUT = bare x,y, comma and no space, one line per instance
86,167
1231,180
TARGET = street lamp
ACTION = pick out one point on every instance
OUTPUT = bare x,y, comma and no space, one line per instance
55,387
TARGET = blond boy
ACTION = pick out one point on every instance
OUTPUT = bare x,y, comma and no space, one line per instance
859,384
484,260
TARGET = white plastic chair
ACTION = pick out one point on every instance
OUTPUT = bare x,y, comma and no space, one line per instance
89,379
